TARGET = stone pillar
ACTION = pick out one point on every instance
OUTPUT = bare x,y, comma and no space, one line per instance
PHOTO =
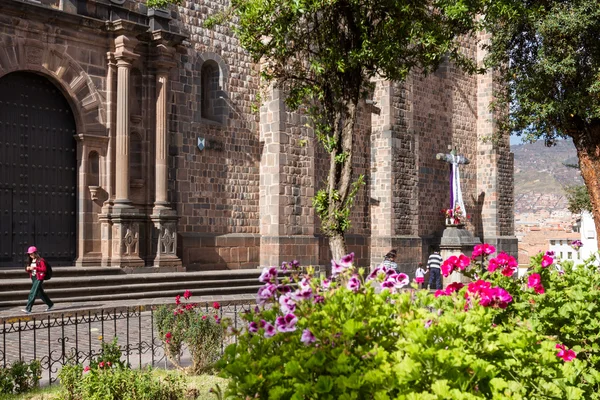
124,57
164,218
286,186
495,163
125,219
393,188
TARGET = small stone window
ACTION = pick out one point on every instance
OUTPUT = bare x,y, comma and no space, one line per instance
570,255
212,100
553,242
135,158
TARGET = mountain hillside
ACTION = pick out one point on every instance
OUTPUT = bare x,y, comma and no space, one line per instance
541,173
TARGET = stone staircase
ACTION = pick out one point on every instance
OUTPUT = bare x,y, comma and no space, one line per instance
77,284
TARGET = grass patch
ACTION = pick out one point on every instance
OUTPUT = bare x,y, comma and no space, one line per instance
197,388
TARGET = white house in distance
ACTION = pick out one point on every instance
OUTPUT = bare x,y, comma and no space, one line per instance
587,231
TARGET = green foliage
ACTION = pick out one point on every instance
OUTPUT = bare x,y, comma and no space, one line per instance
324,55
187,325
578,199
20,377
158,4
118,383
411,345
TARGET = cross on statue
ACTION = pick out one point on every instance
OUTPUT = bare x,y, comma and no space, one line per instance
455,192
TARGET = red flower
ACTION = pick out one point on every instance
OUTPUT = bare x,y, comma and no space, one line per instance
86,369
216,305
187,294
178,299
564,353
101,364
189,306
203,317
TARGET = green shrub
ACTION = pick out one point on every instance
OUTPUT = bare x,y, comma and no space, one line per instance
120,383
186,324
347,340
20,377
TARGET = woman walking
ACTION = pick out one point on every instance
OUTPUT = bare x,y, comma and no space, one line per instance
37,271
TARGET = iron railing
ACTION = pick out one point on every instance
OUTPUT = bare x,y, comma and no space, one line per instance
58,338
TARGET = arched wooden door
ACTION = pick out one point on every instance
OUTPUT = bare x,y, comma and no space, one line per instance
37,171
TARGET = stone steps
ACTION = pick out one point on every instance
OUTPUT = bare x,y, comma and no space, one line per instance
70,284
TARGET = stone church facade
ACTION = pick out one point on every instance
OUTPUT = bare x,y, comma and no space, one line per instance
129,137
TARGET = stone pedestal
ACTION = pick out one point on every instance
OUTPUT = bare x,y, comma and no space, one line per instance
457,240
164,239
125,232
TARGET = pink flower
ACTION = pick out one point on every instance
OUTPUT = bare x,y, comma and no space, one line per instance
440,292
336,268
189,306
178,299
564,353
253,327
217,319
303,293
428,323
325,284
547,261
478,286
101,364
287,323
307,337
495,297
318,299
347,260
535,281
265,293
483,249
268,275
576,244
401,280
287,304
86,369
168,335
216,305
454,263
454,287
204,317
187,294
269,329
504,261
353,284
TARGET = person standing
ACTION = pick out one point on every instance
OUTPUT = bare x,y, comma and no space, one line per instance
37,271
434,264
390,260
420,276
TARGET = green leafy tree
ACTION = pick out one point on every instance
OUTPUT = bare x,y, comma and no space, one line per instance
578,199
325,54
546,56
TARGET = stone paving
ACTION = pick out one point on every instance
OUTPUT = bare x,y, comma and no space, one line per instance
79,329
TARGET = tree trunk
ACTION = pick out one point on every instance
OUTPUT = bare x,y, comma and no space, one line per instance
588,152
340,176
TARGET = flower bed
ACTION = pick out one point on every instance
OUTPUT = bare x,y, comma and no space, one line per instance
497,337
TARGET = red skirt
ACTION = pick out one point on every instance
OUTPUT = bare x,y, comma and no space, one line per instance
419,280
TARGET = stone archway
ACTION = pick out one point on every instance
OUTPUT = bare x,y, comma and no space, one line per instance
88,113
38,181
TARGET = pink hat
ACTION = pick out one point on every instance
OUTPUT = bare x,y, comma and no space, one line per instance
31,250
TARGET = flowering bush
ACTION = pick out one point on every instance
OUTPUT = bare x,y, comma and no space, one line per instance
186,324
20,377
354,338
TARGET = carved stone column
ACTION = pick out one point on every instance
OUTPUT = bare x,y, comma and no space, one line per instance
124,56
164,236
125,230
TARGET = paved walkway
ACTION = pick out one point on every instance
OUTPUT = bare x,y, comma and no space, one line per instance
78,329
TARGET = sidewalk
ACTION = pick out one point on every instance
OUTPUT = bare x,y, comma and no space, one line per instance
68,309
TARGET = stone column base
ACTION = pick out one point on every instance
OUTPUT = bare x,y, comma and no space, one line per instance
164,239
125,241
455,241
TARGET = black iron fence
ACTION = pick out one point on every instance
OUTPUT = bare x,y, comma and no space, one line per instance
57,339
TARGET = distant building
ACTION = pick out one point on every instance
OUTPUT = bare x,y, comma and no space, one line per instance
586,231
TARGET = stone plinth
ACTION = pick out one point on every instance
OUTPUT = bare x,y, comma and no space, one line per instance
457,240
164,239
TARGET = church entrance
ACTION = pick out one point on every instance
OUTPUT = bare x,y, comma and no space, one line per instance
38,161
